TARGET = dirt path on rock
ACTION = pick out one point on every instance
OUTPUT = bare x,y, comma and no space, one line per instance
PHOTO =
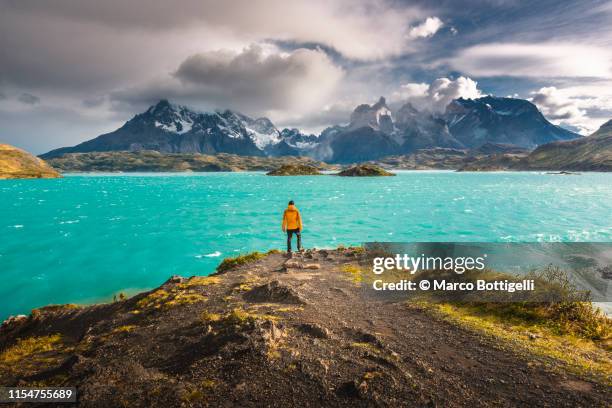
447,365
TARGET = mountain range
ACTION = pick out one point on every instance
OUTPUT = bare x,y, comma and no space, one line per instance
372,132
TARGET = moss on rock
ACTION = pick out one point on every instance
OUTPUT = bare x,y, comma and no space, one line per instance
295,170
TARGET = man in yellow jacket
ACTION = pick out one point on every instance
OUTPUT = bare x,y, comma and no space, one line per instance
292,224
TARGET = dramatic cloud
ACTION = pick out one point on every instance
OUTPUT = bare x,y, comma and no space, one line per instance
28,99
556,106
535,60
426,29
358,29
256,80
94,64
437,95
575,107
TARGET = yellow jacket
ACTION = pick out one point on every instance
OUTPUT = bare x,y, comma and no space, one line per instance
292,219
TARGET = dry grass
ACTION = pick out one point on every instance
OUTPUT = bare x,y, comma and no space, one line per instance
165,299
231,263
29,347
355,272
582,356
200,281
32,354
123,329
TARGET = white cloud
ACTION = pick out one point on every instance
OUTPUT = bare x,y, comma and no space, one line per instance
555,105
427,28
582,108
543,60
437,95
358,29
257,80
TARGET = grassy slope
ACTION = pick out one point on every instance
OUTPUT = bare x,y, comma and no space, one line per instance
589,153
16,163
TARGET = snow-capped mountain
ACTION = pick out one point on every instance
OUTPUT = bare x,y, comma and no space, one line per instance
170,128
474,122
374,131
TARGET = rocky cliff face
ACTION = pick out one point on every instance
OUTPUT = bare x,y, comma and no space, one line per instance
17,163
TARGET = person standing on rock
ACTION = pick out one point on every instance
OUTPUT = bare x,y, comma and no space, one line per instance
292,224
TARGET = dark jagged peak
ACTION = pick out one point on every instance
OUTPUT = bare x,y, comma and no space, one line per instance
382,102
170,117
161,106
377,116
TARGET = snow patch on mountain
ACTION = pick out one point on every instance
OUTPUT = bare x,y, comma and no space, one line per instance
180,127
262,140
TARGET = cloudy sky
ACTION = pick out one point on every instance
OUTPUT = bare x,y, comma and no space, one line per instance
73,69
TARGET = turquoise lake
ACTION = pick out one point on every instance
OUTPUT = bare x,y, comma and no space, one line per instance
85,237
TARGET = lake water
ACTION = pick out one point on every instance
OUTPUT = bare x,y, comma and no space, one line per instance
86,237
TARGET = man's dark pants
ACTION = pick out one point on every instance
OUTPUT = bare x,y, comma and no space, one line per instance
290,233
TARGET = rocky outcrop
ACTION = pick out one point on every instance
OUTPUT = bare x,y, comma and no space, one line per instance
364,170
17,163
295,170
242,338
